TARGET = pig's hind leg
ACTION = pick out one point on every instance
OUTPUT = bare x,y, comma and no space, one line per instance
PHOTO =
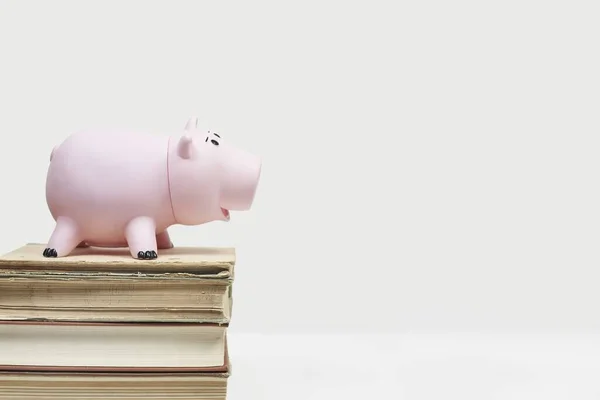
64,238
140,233
163,241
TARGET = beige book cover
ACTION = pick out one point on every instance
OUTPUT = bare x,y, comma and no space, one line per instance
208,262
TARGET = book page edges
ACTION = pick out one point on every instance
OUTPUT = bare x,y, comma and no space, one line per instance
224,368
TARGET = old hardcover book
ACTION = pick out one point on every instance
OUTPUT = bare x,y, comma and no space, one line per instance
130,386
112,347
185,284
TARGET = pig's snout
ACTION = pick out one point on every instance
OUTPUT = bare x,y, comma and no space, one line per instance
241,173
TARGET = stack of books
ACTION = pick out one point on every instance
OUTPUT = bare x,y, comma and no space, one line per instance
100,324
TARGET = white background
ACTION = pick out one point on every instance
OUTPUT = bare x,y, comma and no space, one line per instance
427,166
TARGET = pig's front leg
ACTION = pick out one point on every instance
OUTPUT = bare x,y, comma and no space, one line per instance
163,241
140,233
64,238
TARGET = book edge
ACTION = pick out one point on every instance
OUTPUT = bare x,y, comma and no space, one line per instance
224,368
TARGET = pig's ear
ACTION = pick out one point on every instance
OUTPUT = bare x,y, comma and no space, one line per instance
185,147
191,124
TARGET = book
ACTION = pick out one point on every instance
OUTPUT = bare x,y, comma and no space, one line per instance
186,284
106,385
73,346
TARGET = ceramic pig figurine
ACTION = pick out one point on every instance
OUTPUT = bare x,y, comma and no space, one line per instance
119,189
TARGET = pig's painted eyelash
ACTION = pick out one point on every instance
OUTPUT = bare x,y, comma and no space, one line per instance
213,141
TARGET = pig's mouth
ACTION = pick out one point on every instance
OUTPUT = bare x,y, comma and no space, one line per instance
225,213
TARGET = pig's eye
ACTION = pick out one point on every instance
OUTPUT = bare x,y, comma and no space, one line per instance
213,141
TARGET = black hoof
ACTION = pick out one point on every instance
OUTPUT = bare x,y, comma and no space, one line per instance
148,255
48,252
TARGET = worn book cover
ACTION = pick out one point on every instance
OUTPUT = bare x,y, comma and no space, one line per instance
185,284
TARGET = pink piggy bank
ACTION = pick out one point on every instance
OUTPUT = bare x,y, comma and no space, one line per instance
124,189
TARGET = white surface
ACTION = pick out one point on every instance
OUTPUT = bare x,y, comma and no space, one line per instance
436,162
415,367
